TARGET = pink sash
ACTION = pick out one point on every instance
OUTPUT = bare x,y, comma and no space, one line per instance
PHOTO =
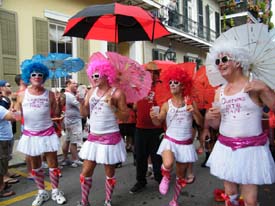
107,139
182,142
242,142
46,132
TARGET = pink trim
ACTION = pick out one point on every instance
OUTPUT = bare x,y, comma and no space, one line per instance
46,132
107,139
242,142
183,142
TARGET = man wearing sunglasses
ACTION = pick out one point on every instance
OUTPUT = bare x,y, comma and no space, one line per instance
104,104
177,144
38,106
241,155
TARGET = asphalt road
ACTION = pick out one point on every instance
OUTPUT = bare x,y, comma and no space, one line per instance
198,194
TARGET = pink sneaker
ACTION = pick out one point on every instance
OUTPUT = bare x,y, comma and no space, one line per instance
164,185
173,203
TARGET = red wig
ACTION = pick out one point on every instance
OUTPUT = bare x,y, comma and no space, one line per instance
177,73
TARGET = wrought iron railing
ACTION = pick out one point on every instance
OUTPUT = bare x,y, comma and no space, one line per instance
185,25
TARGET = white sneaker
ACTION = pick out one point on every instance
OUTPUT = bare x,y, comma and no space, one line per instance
40,198
58,196
76,163
107,203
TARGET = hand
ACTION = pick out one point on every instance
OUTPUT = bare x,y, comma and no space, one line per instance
189,108
213,113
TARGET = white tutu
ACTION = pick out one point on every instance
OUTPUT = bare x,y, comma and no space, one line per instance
37,145
103,154
250,165
182,153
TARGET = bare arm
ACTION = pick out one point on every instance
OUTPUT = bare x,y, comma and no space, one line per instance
55,105
118,104
197,115
84,104
158,119
265,94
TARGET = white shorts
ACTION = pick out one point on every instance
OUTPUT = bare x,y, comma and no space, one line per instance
73,132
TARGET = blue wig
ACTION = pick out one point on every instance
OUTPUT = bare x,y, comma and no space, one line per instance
29,68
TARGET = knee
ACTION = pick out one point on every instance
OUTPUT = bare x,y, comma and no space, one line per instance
250,201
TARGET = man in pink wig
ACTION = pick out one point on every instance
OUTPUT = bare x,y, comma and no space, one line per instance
104,104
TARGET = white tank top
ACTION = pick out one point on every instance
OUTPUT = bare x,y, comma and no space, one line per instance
36,111
240,116
102,118
179,122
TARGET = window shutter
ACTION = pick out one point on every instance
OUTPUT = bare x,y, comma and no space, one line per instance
200,18
40,36
207,21
155,54
83,53
185,15
218,23
8,45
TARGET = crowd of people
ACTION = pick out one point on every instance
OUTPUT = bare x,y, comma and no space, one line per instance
163,134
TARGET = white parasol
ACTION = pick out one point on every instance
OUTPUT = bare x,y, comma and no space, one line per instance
255,48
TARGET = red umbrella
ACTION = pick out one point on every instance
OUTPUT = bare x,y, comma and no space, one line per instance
203,93
115,23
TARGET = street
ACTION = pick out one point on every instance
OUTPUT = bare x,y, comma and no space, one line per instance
197,194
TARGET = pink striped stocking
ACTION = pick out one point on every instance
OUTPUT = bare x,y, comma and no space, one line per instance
180,183
109,187
86,184
54,177
38,175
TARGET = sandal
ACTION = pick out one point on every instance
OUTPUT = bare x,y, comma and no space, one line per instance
14,175
9,180
6,193
190,179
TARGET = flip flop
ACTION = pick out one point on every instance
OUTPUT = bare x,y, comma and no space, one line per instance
14,175
190,179
11,180
6,193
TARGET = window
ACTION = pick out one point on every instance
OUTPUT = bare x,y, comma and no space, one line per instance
158,54
59,44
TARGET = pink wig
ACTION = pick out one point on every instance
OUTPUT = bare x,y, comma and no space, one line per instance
179,74
104,68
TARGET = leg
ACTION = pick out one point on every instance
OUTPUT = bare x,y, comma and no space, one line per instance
38,175
54,172
231,190
190,177
73,150
168,160
154,142
65,150
86,180
250,193
109,183
180,182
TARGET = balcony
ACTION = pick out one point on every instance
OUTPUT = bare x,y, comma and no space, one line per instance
228,8
182,29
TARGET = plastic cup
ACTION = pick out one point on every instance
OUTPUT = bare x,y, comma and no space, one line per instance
156,109
81,92
216,105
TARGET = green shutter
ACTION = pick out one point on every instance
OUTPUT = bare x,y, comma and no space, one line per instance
83,53
41,39
40,36
8,46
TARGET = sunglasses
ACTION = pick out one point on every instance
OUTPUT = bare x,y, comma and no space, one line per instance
95,76
8,85
174,83
37,75
224,59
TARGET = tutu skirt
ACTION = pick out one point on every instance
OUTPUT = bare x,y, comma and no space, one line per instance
37,145
250,165
182,153
102,153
